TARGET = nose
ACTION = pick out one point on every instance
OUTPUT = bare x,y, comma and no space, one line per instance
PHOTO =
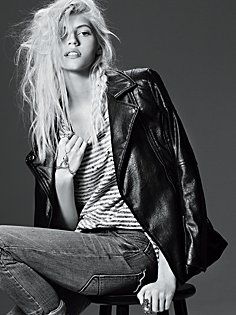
73,40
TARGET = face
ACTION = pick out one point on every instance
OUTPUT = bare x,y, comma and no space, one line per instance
79,46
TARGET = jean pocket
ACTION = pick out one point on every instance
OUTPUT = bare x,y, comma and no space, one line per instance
136,239
91,287
114,284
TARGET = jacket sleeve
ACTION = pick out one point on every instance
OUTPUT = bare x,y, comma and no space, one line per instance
42,212
46,204
46,209
189,184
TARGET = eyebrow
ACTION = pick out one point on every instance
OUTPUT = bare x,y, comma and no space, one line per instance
82,25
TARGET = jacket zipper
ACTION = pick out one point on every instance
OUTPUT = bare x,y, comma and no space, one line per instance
153,146
166,137
152,143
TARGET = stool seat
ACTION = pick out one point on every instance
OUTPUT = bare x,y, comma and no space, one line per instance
183,292
123,302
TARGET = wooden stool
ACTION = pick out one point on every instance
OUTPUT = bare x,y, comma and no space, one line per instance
123,302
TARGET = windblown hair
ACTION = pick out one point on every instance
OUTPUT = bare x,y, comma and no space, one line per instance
43,85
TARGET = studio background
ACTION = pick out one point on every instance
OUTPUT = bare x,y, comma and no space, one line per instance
192,46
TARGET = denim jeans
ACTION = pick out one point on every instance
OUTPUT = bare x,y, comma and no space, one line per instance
39,266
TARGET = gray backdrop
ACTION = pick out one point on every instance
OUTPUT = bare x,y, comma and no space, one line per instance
192,45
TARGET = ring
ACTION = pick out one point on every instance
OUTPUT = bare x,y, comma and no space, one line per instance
67,151
65,160
147,306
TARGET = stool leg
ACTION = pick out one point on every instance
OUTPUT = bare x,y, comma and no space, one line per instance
122,310
180,307
105,310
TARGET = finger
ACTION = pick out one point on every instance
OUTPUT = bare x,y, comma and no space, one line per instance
83,146
155,303
168,302
81,151
77,144
140,295
61,148
147,295
76,157
161,302
79,154
71,143
63,141
89,141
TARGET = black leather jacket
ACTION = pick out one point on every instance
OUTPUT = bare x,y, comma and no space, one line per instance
157,174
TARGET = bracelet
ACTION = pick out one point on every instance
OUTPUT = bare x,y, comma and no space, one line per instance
72,173
65,164
66,167
61,167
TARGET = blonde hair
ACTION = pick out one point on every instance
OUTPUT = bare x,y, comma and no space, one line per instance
43,86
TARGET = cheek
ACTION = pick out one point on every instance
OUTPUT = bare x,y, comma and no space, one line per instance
94,46
61,50
93,50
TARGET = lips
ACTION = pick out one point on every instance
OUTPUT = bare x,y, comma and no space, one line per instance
72,54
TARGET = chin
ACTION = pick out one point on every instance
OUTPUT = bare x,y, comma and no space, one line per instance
76,68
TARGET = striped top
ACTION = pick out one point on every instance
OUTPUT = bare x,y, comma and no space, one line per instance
96,190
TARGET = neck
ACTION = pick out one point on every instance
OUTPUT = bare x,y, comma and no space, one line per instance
79,87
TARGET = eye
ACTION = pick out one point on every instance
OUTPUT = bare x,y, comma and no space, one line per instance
84,33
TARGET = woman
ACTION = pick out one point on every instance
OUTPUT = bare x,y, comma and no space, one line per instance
119,206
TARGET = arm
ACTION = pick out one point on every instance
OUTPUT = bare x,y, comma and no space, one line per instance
162,290
154,245
193,207
65,195
75,147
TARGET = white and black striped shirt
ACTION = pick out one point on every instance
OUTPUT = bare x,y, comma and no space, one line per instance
96,190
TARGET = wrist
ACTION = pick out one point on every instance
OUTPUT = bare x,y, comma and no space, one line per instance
66,167
163,265
62,175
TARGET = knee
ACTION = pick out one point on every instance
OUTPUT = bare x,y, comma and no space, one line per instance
6,255
5,236
12,242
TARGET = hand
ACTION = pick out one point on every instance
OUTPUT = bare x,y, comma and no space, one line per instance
71,152
160,293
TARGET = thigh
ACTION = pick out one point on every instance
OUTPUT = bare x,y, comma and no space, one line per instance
88,263
141,265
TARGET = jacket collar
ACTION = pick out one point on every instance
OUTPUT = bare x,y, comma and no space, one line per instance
119,82
122,114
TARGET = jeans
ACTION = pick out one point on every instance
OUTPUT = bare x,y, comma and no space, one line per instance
40,266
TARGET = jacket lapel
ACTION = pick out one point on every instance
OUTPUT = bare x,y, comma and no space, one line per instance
121,115
119,83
